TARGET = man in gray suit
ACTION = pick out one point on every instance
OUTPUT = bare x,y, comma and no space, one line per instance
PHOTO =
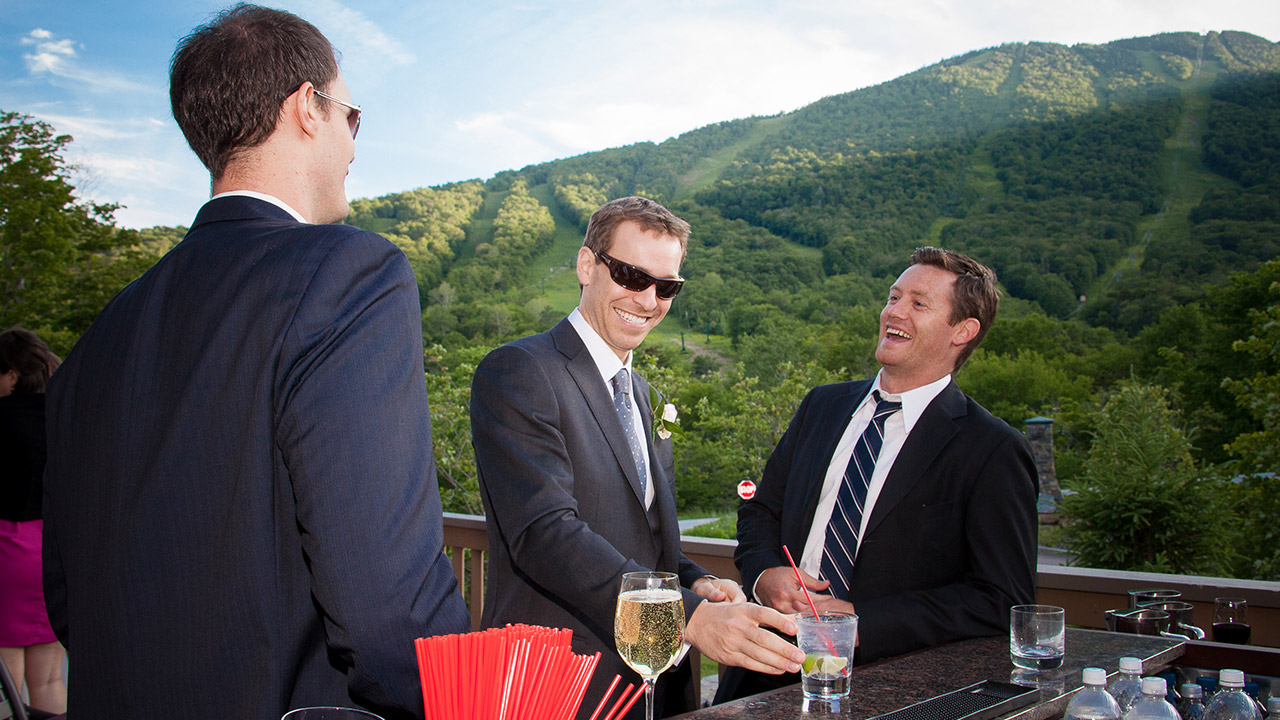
576,487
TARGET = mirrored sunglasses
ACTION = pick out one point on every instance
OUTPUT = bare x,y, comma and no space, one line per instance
636,280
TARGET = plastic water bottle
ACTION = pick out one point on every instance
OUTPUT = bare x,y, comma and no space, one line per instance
1192,705
1230,702
1273,706
1127,686
1093,702
1152,705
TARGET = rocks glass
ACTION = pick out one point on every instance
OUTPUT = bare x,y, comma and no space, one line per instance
1037,636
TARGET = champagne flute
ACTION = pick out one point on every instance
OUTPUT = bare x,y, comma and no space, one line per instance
649,626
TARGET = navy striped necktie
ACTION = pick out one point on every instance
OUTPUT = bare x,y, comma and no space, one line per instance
846,517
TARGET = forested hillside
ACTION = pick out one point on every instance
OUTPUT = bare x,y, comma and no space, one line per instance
1127,195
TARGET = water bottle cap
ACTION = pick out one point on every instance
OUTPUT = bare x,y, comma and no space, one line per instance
1192,690
1153,686
1231,678
1273,706
1095,676
1130,664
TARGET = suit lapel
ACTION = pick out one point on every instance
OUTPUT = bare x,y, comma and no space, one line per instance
935,428
827,441
663,496
582,368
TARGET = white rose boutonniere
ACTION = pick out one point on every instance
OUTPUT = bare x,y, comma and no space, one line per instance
660,419
669,413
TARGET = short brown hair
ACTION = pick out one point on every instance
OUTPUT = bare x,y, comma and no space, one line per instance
649,215
26,354
229,77
975,294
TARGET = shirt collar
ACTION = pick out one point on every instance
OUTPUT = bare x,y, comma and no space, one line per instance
265,198
607,361
914,401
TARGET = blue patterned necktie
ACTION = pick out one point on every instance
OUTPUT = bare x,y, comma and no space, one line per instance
846,517
622,403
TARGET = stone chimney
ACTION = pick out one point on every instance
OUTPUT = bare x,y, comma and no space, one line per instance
1040,434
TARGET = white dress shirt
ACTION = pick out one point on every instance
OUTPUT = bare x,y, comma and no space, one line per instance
265,198
608,364
896,429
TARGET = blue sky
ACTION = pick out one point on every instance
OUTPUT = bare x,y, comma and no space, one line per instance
459,90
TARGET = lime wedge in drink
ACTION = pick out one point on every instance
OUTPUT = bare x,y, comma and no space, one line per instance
830,664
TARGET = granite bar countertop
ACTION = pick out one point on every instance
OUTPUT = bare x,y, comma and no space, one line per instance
898,682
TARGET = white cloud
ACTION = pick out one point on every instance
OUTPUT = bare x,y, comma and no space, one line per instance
58,58
156,182
50,56
358,38
99,128
685,75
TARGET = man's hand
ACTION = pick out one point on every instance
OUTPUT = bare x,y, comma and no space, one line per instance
777,587
733,634
719,590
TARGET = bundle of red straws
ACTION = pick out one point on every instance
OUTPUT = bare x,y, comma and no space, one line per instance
519,672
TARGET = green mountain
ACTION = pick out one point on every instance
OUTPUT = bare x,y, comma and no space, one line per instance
1104,182
1127,195
1114,189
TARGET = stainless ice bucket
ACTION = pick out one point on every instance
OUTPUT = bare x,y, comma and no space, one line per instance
1146,595
1181,620
1143,621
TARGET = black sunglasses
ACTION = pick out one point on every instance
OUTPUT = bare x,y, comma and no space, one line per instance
353,117
636,280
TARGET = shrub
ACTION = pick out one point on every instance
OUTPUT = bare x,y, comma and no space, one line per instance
1141,503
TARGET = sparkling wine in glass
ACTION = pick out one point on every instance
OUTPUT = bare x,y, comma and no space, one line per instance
649,626
1231,620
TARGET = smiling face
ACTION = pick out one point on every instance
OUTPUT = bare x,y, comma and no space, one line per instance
623,317
917,343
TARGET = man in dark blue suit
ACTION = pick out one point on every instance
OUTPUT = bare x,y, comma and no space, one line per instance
925,527
577,486
241,508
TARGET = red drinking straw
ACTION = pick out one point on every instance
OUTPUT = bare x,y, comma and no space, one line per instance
632,701
605,699
614,710
816,616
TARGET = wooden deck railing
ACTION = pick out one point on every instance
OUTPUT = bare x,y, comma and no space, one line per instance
1086,593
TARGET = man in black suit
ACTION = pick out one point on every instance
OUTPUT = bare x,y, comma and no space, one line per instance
927,528
576,487
241,513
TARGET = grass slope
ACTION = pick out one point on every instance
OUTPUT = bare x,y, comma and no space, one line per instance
1186,181
480,229
552,272
709,169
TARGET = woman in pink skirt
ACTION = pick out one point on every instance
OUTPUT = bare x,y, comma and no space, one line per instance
27,643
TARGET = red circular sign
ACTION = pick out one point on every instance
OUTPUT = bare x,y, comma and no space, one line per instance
746,489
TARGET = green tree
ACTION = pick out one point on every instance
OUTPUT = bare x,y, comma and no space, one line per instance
449,393
1141,503
1259,395
1257,454
730,428
60,259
